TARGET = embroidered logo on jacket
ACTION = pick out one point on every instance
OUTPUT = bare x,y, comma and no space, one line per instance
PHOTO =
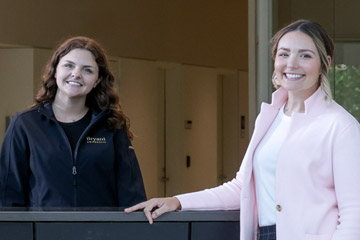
95,140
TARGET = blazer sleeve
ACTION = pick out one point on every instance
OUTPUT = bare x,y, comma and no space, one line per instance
14,166
224,197
130,186
346,168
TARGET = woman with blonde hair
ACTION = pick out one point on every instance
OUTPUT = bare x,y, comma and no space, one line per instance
299,179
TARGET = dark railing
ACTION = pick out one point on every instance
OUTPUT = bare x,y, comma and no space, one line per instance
116,225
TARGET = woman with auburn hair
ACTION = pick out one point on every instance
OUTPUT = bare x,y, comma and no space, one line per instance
299,179
72,147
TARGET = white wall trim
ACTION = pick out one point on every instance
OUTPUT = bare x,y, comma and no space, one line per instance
264,67
252,64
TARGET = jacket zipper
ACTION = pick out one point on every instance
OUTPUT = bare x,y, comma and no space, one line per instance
74,170
74,158
74,173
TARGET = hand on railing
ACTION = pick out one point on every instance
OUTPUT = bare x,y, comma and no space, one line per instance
155,207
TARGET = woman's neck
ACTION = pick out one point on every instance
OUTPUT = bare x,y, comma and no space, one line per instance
70,110
296,100
294,105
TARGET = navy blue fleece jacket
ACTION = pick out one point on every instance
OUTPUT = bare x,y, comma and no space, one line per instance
39,169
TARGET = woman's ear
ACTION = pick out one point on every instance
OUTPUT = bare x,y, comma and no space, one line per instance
329,60
97,82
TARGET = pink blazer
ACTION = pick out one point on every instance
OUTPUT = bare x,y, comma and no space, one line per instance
317,176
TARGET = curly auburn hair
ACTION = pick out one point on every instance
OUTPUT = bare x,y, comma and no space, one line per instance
103,97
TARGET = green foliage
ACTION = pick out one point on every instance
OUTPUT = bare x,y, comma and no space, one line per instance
346,87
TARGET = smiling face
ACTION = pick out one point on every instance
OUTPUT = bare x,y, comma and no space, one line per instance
76,74
297,64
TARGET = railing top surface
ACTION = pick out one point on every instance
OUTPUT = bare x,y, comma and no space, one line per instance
114,216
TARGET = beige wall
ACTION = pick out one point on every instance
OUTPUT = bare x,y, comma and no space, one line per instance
20,71
40,59
320,11
339,17
142,98
158,97
192,95
207,33
200,106
213,99
234,139
16,81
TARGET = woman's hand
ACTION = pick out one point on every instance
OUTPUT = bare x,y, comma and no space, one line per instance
155,207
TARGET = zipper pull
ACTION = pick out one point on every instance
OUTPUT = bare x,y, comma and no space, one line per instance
74,171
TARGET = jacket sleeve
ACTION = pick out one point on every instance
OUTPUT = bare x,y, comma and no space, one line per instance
346,168
14,168
130,186
224,197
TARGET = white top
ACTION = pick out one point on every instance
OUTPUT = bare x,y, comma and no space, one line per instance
265,161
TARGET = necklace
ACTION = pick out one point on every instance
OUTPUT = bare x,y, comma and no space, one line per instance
286,109
66,117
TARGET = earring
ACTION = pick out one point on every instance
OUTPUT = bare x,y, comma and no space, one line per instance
322,80
275,81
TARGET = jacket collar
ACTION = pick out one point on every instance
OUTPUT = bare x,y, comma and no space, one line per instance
313,105
47,111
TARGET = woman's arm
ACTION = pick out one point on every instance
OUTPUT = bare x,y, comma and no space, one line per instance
14,170
130,186
224,197
346,167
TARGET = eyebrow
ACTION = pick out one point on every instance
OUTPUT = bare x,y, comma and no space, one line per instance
75,64
300,50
